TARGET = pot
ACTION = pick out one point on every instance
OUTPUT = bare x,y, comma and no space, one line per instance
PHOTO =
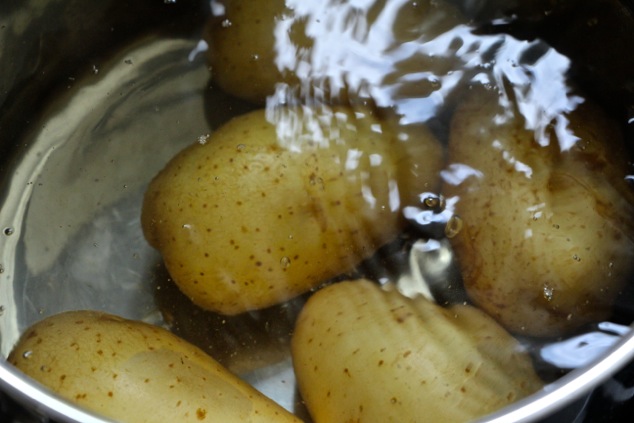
94,100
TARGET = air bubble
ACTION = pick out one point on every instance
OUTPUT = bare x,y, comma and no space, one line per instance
434,202
226,23
576,258
431,202
453,227
240,147
548,292
27,354
203,139
9,231
285,262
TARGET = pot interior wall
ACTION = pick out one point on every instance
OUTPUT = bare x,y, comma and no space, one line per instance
114,74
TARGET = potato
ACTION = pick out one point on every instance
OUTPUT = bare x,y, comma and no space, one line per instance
330,49
362,353
547,240
242,54
135,372
268,209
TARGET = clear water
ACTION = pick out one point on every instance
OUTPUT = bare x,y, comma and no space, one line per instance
71,235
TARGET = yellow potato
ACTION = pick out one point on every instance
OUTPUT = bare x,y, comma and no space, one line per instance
363,353
135,372
263,211
547,240
241,53
328,48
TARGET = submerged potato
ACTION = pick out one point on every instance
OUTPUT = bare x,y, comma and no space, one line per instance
328,48
263,211
242,48
362,353
547,240
134,372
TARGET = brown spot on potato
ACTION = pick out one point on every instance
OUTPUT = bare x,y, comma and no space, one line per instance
201,414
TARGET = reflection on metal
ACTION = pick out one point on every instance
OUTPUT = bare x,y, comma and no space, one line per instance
583,349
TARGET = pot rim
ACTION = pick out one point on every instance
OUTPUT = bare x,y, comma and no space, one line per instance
568,388
548,400
37,398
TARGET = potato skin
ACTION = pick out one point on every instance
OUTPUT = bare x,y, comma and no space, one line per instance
135,372
241,54
547,240
363,353
255,45
256,216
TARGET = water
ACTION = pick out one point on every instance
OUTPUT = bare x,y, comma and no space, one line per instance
84,175
72,237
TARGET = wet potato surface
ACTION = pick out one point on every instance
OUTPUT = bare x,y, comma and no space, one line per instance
547,239
134,372
360,111
250,219
363,353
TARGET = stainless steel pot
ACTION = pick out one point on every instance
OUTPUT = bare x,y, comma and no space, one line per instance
82,92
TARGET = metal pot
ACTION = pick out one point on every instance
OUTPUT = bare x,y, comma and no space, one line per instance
79,84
